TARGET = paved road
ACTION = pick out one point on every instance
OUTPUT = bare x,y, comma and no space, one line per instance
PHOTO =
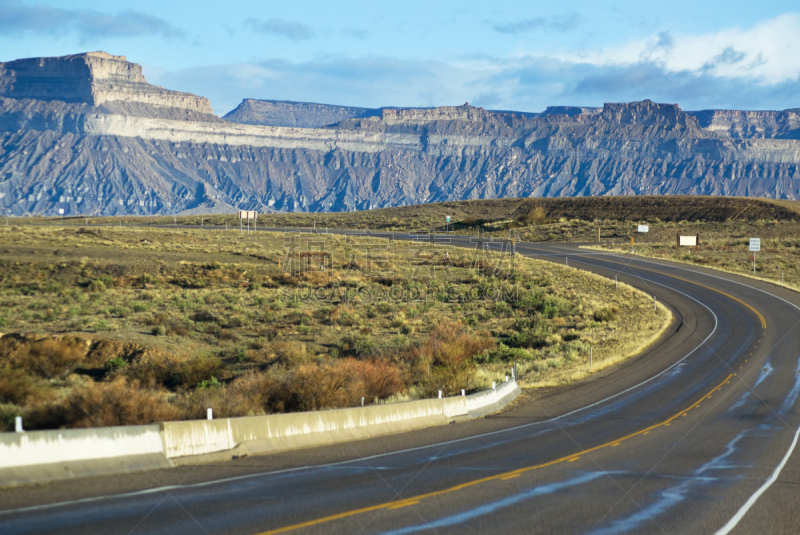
696,435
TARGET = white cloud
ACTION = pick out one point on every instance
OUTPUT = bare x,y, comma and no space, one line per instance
755,68
768,53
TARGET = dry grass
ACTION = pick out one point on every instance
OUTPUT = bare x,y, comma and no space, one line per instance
190,319
727,250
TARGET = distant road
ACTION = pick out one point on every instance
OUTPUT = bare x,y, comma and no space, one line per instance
694,436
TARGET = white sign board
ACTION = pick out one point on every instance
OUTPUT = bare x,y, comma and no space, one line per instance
448,219
248,214
644,228
755,245
687,241
60,211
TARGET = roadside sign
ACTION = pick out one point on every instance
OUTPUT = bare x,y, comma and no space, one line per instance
247,215
644,228
755,246
448,219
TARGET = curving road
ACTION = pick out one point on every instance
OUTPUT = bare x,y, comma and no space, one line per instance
697,435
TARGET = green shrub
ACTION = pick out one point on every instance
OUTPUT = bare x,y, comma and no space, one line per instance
504,354
354,344
146,279
107,280
97,286
605,314
119,312
209,383
114,364
501,308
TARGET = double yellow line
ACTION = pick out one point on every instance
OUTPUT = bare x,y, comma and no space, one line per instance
397,504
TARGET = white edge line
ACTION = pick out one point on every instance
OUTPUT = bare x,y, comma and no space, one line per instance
734,521
761,490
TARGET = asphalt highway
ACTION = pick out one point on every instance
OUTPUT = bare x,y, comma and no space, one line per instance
696,435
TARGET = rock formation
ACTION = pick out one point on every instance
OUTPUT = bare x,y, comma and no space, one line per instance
295,114
93,78
87,134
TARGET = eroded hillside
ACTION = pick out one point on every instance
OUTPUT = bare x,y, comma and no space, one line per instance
143,149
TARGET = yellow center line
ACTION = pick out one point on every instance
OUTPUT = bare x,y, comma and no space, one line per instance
506,475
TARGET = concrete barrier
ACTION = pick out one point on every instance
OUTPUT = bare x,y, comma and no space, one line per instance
280,432
48,455
492,400
38,456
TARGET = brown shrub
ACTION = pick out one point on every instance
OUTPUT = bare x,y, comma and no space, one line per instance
101,351
18,387
343,311
151,369
245,396
317,278
195,370
52,357
226,335
445,360
537,216
115,403
371,379
308,387
311,387
290,354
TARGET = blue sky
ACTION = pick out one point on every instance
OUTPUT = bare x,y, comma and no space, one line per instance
501,55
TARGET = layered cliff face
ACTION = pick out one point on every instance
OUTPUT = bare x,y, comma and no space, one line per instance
752,124
93,78
118,156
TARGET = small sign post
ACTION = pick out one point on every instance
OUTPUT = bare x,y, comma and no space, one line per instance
755,246
447,220
248,215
